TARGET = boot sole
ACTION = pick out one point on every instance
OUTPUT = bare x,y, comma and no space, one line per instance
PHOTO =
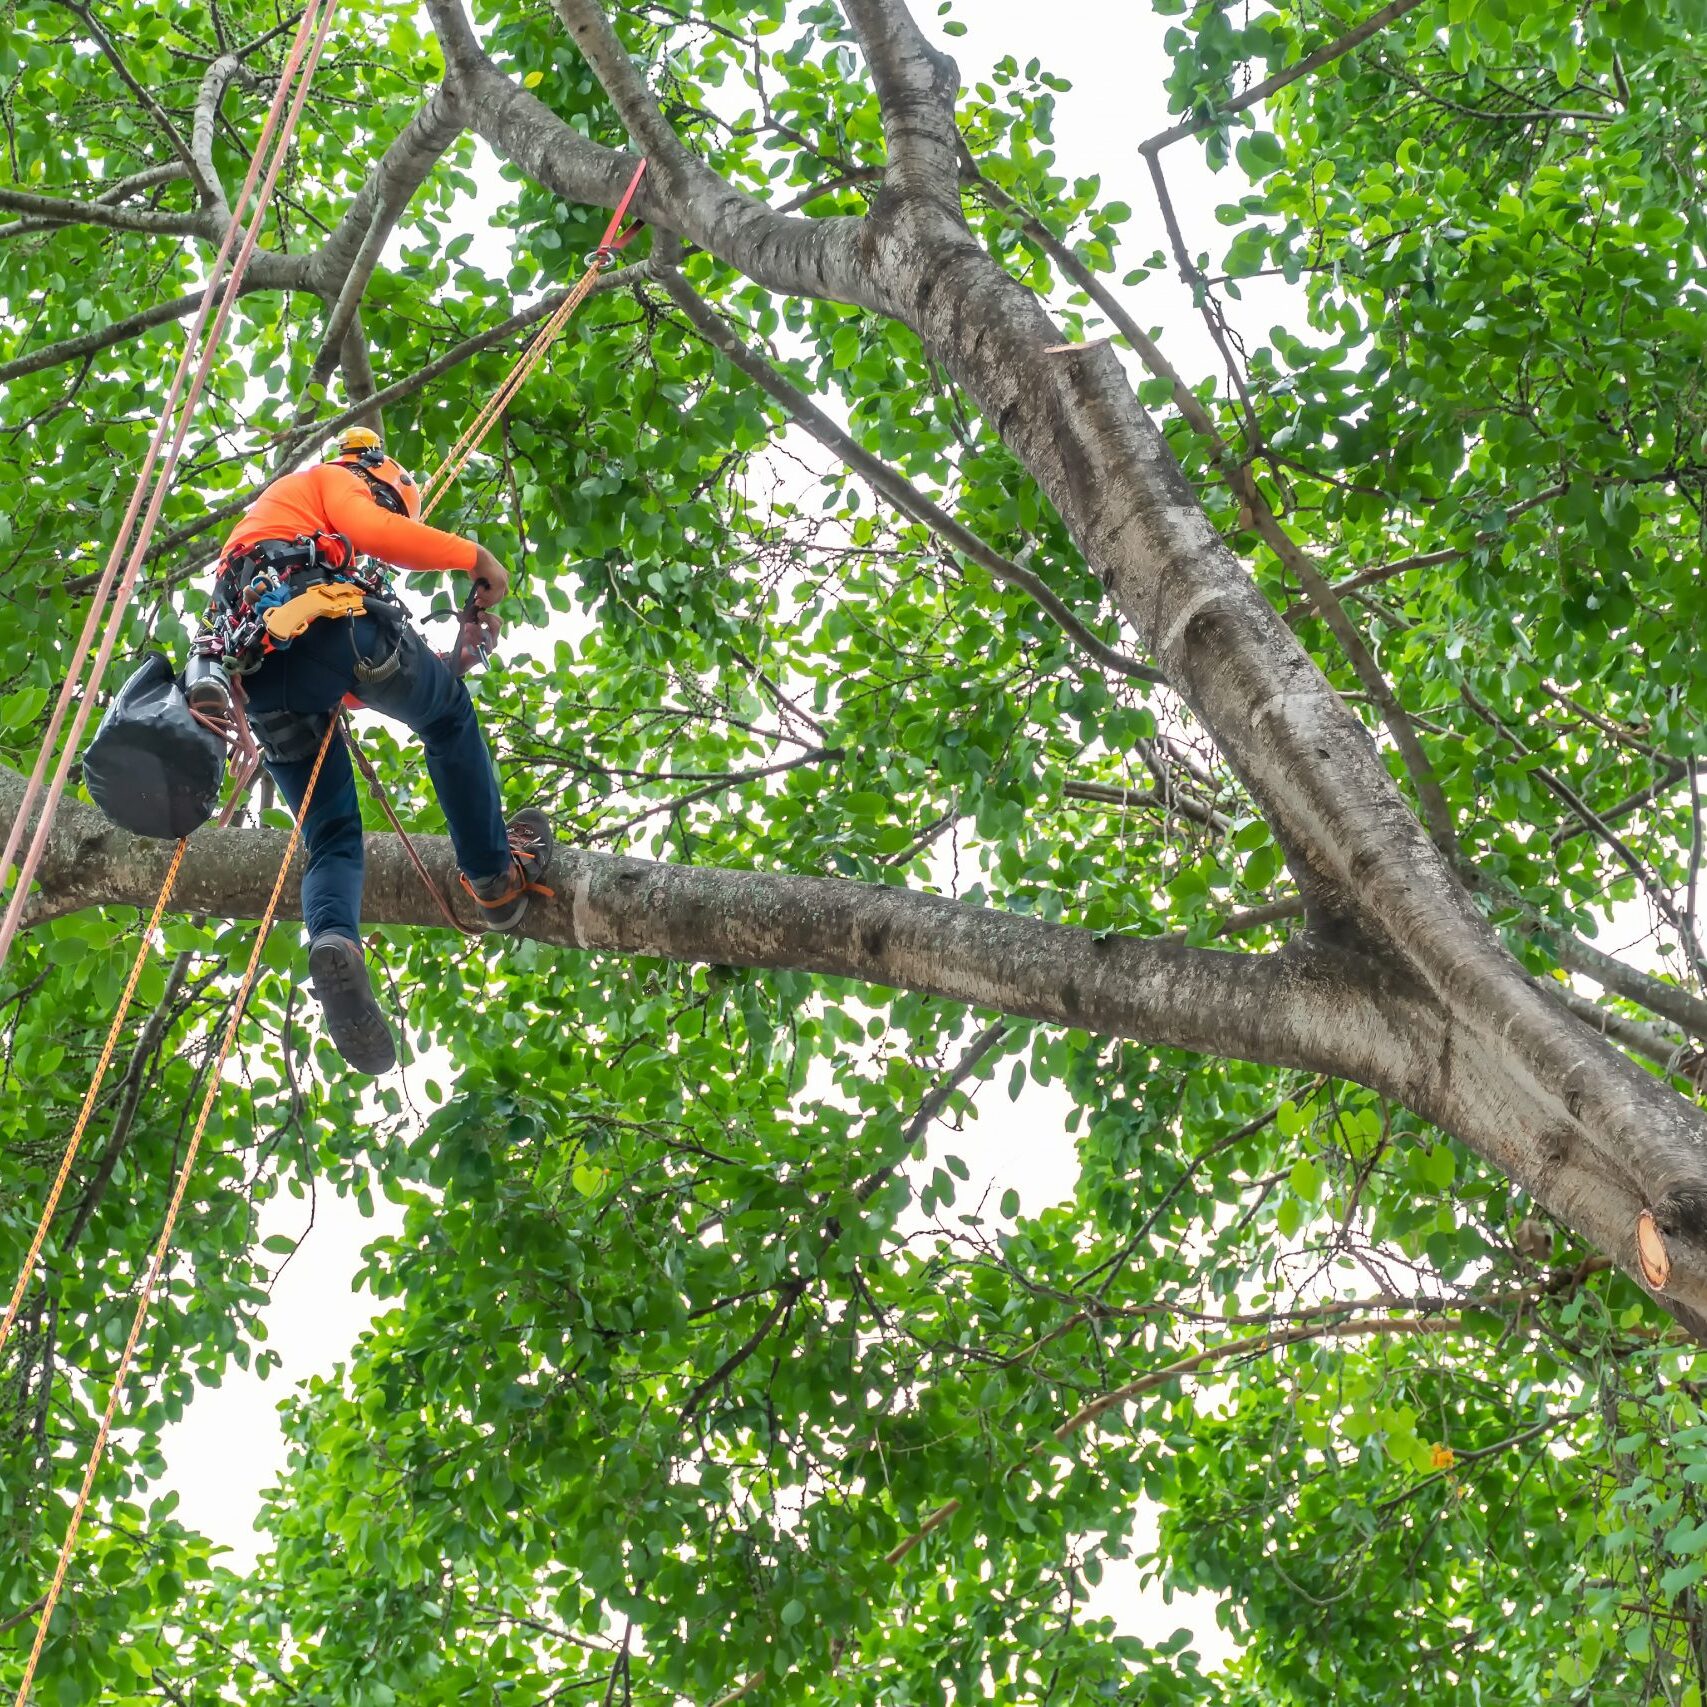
353,1018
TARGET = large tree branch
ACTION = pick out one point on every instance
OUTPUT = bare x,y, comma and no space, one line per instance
1590,1134
890,484
916,89
808,257
1298,1008
1313,1006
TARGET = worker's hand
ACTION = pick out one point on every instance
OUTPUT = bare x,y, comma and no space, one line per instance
476,636
491,578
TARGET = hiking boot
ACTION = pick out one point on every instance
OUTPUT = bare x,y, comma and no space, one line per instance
503,900
354,1021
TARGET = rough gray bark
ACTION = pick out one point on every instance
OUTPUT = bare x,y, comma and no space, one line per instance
1279,1008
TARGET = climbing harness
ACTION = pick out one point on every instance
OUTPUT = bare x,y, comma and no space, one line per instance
222,714
211,317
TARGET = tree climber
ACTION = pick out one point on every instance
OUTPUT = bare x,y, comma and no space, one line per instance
288,570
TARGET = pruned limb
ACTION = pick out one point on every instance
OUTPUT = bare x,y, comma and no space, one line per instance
1431,798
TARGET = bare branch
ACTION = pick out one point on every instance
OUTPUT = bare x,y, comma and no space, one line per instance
1103,794
1446,554
1668,778
1260,92
888,482
57,211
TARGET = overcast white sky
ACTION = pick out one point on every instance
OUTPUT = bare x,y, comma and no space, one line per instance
229,1446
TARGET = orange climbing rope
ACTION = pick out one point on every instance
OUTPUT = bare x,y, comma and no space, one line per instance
597,262
164,1244
84,1112
215,304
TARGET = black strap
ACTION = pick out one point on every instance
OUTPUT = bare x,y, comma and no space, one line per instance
383,495
275,556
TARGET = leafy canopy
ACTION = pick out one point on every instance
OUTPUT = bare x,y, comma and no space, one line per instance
682,1336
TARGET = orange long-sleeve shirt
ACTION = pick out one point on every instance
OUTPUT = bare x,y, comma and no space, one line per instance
330,498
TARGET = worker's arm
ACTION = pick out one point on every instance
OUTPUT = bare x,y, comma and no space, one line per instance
374,531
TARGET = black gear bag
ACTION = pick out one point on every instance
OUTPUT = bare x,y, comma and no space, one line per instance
152,768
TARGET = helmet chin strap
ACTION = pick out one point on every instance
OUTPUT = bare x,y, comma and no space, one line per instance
384,494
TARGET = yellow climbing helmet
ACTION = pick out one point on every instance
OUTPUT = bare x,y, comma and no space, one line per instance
359,449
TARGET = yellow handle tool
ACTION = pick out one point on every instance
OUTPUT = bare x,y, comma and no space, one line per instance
331,598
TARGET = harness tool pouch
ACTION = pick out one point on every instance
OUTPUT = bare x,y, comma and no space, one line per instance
152,768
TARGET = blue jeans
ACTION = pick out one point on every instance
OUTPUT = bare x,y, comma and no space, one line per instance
296,692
